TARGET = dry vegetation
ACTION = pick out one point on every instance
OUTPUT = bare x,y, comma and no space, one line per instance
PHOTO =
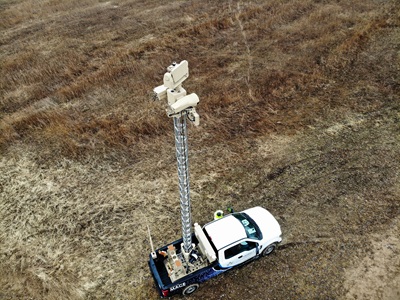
300,114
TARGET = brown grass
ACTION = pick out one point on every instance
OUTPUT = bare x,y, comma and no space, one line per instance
271,55
285,88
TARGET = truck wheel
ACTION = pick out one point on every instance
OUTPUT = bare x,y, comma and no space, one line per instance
190,289
269,249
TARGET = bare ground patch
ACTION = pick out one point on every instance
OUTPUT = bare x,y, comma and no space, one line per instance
377,275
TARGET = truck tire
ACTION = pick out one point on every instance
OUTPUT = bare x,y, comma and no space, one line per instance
269,249
190,289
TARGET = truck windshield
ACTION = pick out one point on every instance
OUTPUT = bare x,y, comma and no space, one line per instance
252,230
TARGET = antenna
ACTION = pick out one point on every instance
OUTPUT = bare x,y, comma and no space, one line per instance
180,107
153,253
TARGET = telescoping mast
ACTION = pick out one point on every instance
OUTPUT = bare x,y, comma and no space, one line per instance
181,107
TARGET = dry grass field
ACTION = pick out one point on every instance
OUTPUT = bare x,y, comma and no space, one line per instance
300,113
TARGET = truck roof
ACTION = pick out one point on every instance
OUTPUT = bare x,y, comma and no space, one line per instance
225,231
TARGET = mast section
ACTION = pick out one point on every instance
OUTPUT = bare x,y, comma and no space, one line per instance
180,108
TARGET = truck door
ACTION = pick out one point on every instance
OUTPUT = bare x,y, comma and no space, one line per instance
238,253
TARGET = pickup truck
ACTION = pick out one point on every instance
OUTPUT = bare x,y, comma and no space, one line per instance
219,246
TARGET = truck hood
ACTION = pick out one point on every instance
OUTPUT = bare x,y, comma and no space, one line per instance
268,225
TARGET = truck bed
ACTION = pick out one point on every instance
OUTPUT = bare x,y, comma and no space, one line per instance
159,262
198,272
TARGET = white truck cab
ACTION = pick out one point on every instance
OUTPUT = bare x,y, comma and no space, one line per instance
238,237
